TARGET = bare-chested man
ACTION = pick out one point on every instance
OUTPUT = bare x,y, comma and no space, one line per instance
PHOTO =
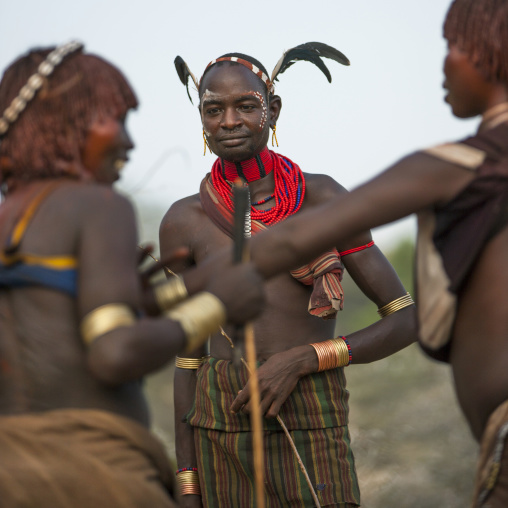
238,107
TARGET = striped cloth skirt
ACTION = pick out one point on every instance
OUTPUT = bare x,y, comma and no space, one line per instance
316,416
225,463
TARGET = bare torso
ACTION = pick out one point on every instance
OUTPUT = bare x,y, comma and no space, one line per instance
479,355
43,361
285,322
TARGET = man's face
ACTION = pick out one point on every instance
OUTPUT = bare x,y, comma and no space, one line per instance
234,111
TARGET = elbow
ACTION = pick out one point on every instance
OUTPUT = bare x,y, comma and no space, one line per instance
110,362
407,324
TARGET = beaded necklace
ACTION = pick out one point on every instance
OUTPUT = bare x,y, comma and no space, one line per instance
288,177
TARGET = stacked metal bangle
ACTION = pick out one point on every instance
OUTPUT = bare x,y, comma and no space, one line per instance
34,83
168,294
398,304
189,363
188,483
199,317
332,353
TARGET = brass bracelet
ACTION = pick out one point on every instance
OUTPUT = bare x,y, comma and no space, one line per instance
105,319
332,354
169,293
199,316
188,483
189,363
395,305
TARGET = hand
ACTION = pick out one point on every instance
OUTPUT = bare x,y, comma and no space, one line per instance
277,378
148,300
240,288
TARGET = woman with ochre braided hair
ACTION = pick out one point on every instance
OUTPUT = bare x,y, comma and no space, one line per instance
460,192
74,340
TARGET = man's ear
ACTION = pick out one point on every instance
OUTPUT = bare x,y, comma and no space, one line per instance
274,107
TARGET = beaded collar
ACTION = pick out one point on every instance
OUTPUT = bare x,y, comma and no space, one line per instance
289,186
249,170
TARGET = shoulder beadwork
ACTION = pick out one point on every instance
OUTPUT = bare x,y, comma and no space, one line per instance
458,153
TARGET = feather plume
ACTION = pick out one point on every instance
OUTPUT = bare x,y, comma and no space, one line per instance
311,52
184,73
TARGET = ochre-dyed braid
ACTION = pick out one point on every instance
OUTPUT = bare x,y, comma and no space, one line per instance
479,27
289,190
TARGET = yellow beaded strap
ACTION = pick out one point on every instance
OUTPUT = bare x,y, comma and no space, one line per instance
199,316
188,483
189,363
105,319
332,354
398,304
168,294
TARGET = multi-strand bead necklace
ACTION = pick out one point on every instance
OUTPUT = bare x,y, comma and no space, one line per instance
288,177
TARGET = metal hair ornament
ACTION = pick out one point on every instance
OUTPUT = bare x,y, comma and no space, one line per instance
34,83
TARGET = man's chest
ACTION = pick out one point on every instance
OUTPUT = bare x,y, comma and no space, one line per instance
208,239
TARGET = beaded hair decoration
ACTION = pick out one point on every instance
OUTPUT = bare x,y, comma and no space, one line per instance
310,51
34,84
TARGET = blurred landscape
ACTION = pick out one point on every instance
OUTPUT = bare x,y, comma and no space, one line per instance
412,446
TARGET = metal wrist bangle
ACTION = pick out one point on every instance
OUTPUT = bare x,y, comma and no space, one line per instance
199,316
189,363
169,293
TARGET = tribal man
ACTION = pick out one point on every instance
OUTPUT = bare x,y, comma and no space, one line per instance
308,391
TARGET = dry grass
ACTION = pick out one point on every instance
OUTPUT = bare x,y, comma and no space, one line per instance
412,446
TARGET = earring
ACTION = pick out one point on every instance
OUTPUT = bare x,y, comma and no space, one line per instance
206,144
274,136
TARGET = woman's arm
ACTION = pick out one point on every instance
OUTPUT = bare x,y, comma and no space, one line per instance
416,182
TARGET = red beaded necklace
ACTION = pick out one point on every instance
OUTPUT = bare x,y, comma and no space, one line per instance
249,170
288,177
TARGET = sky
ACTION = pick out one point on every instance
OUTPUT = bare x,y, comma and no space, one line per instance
388,103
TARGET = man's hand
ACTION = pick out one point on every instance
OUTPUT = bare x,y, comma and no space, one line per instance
278,377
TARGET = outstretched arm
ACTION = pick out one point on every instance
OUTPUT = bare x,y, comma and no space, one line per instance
108,256
414,183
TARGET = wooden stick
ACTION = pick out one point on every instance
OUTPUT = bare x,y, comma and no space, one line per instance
291,443
240,254
256,418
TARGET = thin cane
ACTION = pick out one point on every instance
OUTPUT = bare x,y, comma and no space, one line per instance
240,254
288,436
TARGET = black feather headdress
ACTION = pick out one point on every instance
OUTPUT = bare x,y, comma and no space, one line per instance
184,74
311,52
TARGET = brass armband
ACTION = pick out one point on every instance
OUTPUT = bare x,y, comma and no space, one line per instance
104,319
332,353
199,316
398,304
189,363
188,483
169,293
